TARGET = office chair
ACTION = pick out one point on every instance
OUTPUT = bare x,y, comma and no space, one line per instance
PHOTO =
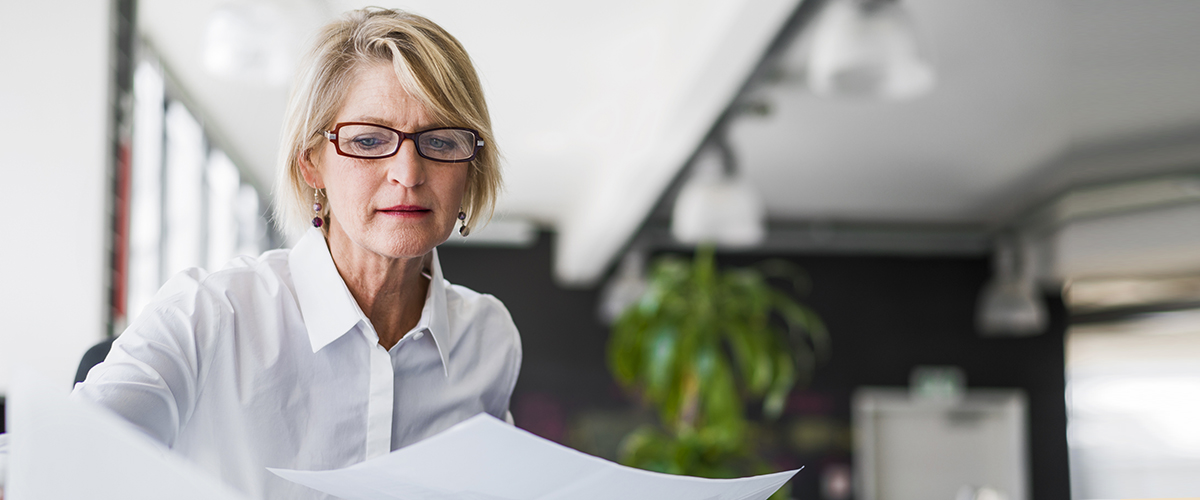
93,357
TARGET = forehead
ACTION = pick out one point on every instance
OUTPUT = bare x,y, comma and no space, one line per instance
376,95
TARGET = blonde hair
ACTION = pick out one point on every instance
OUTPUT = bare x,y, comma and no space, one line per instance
432,67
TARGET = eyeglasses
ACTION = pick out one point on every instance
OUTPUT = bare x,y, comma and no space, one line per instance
369,141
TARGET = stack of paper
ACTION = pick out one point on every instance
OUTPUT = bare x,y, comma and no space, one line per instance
486,459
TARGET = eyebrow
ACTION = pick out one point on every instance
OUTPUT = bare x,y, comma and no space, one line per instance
388,123
372,119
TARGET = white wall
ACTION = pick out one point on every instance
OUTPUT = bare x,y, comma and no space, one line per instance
54,80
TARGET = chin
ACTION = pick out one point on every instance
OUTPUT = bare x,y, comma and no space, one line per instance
405,241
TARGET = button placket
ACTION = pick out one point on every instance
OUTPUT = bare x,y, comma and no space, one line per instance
380,399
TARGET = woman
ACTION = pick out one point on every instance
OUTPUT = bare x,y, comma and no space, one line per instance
351,344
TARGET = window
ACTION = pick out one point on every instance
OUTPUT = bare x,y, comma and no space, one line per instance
189,204
1133,399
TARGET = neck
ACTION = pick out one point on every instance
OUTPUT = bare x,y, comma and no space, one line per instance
390,290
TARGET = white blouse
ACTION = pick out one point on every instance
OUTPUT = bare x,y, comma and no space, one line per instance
271,363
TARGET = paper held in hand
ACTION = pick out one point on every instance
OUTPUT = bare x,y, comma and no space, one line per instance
480,459
484,458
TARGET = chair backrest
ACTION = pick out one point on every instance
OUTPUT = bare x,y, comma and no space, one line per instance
93,357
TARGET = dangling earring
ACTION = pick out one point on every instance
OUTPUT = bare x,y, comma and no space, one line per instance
464,230
318,220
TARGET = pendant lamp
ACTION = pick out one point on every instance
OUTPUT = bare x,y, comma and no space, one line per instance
717,205
1009,304
867,48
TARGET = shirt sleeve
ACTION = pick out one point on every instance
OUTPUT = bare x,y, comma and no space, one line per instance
153,373
3,460
513,351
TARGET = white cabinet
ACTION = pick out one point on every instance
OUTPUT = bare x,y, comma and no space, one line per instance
907,448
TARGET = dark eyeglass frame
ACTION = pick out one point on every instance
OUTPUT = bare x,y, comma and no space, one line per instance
332,135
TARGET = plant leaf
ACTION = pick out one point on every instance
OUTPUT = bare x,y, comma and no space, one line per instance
785,379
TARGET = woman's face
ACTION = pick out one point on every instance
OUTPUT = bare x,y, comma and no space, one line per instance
397,207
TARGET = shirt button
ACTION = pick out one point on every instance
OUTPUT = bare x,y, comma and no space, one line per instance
418,335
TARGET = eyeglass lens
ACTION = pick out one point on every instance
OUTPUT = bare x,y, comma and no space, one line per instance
369,141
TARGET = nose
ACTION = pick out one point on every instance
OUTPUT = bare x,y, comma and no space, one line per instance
406,167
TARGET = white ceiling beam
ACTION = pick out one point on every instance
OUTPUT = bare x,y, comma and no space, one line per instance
629,183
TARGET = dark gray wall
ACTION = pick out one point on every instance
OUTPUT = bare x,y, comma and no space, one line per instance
885,314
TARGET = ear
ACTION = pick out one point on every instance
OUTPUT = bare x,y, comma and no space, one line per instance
312,175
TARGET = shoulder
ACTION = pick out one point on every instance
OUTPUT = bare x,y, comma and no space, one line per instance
271,265
475,301
484,331
481,315
198,297
466,303
245,273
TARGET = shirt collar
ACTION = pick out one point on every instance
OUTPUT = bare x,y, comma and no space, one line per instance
435,316
330,311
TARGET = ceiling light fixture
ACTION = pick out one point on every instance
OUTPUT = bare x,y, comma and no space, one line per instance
1010,305
716,205
867,48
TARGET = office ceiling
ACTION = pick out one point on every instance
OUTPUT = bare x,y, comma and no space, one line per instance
1025,87
597,107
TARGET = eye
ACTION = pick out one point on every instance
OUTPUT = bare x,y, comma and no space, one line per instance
439,143
368,143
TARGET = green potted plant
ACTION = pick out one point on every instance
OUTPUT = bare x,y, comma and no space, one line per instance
699,347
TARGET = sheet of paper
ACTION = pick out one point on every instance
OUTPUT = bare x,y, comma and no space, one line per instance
62,448
486,459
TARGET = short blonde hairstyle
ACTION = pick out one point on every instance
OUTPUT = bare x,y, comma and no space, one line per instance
432,67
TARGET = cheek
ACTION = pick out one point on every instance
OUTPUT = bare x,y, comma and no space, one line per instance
460,183
349,189
449,186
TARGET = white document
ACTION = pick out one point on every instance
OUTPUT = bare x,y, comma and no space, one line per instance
61,448
486,459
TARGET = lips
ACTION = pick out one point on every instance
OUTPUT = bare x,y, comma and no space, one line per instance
406,210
